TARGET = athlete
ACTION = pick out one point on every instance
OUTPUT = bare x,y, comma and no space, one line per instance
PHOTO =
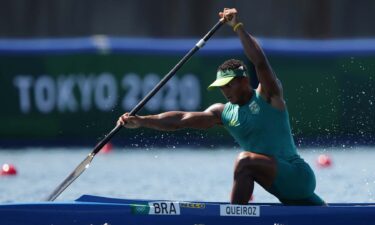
257,119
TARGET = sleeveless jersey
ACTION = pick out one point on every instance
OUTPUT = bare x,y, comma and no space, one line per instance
258,127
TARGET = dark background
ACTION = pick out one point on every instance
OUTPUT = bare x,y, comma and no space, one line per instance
182,18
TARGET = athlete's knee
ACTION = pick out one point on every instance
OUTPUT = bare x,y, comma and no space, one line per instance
246,160
251,163
243,166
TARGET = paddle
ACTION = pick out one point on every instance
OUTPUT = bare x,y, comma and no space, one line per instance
86,162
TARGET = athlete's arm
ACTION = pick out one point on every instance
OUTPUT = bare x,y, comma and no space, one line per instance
270,87
267,78
174,120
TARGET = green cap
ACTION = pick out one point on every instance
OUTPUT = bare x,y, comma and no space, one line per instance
223,77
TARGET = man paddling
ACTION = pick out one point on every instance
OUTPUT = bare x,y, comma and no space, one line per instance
257,119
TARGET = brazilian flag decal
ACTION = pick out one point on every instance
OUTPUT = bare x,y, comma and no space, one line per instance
140,209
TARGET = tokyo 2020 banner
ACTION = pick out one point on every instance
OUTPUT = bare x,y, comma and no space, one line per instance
59,91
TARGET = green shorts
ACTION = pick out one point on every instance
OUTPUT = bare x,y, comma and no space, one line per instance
295,183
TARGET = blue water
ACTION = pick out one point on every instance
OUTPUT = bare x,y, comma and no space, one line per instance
175,174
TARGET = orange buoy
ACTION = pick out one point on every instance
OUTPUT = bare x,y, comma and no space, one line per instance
8,170
251,198
107,148
324,161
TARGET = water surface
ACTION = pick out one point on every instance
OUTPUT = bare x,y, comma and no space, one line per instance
175,174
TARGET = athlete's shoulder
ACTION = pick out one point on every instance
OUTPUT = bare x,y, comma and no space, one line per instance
216,109
276,101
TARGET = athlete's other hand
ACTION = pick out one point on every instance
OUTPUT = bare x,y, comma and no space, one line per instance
128,121
229,16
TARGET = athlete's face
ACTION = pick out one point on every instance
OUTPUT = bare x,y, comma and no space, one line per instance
234,90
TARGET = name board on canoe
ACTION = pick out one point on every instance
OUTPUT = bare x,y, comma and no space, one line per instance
156,208
164,208
239,210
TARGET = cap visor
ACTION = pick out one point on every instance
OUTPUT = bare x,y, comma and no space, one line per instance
220,82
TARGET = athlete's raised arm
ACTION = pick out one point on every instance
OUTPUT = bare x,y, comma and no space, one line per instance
270,86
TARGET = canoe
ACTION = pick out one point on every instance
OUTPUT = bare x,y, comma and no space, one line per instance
94,210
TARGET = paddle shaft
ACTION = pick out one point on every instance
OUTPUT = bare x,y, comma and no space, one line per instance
86,162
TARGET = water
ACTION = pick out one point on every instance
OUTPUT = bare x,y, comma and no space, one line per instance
175,174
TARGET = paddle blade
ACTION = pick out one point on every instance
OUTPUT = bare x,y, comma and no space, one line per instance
74,175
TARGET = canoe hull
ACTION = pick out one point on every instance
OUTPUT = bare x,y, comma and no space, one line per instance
107,211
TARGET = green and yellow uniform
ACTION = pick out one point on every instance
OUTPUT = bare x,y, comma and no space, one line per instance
260,128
